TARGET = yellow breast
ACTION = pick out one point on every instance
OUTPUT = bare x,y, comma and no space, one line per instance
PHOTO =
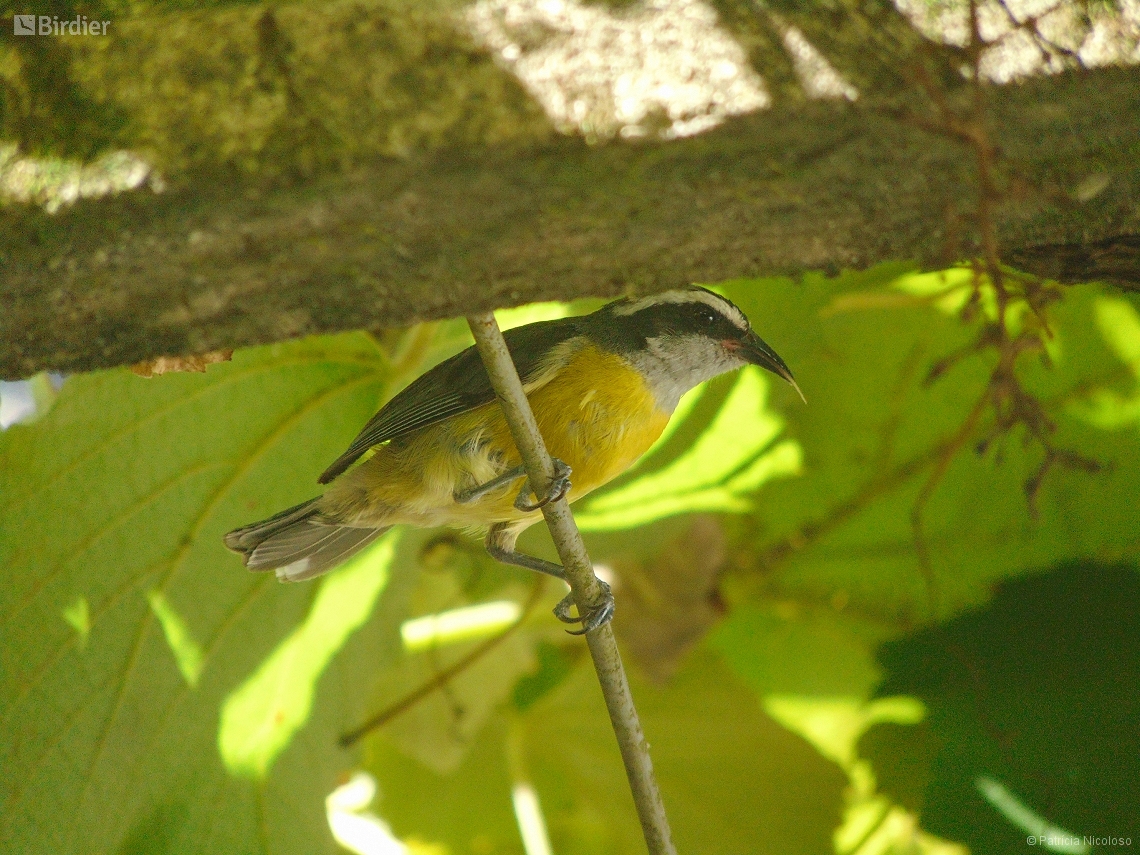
597,415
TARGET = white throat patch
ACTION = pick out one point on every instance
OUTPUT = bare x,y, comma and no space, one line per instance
672,365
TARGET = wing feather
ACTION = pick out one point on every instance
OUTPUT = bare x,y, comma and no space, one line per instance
459,385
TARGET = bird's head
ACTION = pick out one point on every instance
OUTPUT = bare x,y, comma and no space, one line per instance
680,338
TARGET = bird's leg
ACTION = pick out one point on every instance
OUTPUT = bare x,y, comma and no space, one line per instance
558,488
481,490
501,546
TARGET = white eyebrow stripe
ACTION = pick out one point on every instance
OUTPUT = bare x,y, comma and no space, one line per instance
715,302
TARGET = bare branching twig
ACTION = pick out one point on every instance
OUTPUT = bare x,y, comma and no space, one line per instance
442,679
1004,396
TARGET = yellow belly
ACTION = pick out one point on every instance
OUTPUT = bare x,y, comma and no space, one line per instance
598,416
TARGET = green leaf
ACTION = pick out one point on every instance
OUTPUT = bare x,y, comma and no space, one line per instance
834,564
440,730
1033,706
466,623
732,779
554,666
798,652
158,698
261,716
1107,408
843,531
113,508
187,652
78,616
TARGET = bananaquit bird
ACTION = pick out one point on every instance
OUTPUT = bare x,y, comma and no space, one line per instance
602,388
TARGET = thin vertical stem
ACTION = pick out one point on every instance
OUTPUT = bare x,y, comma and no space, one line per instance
584,585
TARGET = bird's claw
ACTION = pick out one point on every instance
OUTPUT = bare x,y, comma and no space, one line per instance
599,614
557,490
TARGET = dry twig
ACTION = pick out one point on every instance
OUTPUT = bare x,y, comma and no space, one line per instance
443,677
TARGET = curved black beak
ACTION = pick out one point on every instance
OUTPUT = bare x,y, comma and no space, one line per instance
755,350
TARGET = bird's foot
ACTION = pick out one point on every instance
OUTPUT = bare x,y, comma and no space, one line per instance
558,488
599,614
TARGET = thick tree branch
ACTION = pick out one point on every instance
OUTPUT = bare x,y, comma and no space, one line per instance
296,223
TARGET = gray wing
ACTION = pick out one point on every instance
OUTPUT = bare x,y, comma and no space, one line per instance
455,386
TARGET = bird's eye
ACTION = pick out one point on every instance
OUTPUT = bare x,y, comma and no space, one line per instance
707,315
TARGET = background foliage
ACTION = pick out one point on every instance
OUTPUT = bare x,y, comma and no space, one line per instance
155,697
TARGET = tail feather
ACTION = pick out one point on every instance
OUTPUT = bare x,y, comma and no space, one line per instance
246,538
299,543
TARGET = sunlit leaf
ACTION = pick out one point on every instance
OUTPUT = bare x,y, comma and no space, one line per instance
732,779
113,508
1119,323
836,564
531,314
187,652
809,652
261,716
949,290
462,624
441,729
359,830
138,659
78,616
843,530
